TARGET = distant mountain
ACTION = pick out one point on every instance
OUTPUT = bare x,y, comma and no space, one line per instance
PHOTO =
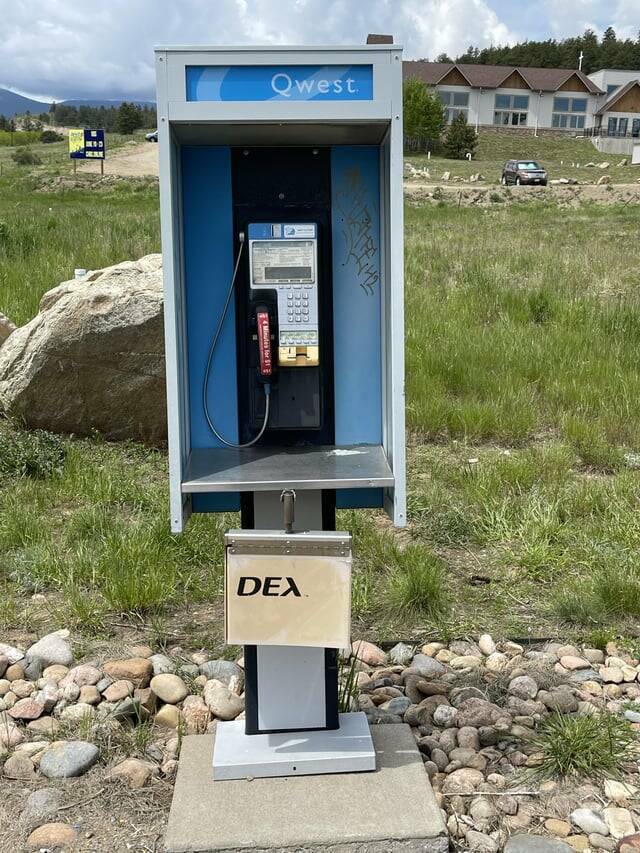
11,103
104,102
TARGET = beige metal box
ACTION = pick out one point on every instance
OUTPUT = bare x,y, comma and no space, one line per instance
288,589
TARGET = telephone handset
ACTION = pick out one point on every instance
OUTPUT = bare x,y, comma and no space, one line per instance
283,257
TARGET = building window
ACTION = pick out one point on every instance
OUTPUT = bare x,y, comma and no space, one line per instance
454,104
511,110
569,113
618,126
611,88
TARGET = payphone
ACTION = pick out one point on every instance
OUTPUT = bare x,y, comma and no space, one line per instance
281,196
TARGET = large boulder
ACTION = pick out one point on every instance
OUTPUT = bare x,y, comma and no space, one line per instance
93,357
6,328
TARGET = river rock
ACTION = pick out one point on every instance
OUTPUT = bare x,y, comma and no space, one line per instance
19,766
466,780
119,690
496,662
196,715
161,664
224,704
168,716
401,654
619,792
43,726
535,844
136,670
11,653
133,772
93,356
478,712
169,688
619,821
524,687
478,842
226,671
369,653
572,662
445,716
68,758
41,805
52,649
52,836
425,667
26,709
10,736
80,675
486,645
589,821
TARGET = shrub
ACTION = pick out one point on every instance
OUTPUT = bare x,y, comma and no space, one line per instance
36,454
590,747
460,139
25,157
417,582
423,112
51,136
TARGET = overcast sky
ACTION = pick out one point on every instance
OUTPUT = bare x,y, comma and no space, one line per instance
63,49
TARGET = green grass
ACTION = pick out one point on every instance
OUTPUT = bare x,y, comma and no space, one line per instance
588,747
44,236
519,322
523,408
563,157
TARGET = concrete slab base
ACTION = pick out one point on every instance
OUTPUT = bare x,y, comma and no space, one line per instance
389,809
348,749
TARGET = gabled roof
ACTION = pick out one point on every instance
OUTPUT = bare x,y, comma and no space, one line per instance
615,97
492,76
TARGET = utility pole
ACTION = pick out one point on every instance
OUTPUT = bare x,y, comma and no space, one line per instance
580,58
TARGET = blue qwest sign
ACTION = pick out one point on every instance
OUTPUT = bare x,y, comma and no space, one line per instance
279,83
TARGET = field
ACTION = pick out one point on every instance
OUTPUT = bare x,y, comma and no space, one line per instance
563,158
523,326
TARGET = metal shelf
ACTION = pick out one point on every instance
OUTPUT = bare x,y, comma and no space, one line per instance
267,469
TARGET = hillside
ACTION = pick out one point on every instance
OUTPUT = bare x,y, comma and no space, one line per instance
11,103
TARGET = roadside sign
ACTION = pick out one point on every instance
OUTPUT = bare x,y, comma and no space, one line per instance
87,144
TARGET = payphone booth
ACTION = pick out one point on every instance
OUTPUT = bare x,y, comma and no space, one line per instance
281,202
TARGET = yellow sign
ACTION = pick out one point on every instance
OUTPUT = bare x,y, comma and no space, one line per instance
76,141
288,600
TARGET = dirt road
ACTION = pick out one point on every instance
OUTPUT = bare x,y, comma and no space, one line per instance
134,159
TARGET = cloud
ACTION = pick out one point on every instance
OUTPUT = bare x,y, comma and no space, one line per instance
69,50
626,21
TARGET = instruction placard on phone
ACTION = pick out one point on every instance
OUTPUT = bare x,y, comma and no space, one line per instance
288,600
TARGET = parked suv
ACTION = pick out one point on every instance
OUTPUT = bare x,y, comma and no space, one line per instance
523,172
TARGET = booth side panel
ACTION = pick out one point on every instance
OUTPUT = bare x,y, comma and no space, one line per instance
355,213
395,502
208,267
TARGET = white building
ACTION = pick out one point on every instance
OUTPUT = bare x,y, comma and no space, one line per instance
505,96
619,111
606,102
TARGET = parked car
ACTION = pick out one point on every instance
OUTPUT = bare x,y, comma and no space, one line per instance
523,172
152,137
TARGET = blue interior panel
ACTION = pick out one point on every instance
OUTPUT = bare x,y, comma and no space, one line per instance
357,301
208,254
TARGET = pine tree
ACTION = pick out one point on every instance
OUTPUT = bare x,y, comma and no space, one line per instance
460,139
129,118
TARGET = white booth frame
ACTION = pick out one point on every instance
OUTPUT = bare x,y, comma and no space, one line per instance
382,114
